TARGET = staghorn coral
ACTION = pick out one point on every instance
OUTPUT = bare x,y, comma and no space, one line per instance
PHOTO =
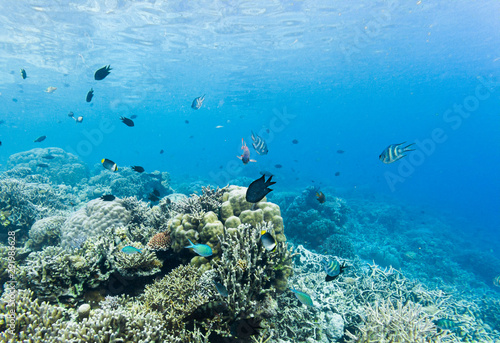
94,219
399,323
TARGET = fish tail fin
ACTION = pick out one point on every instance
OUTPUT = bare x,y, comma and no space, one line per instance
409,145
191,244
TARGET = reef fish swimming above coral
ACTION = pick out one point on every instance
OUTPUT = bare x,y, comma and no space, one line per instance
201,249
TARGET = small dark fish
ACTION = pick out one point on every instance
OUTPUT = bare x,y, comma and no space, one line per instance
259,144
191,137
337,173
23,74
268,131
340,151
108,164
186,121
90,94
71,114
156,192
108,197
394,152
295,141
153,197
197,102
138,169
0,143
161,151
278,166
268,241
100,74
14,99
42,165
48,157
320,197
66,85
258,189
40,139
127,121
133,116
2,122
266,173
221,289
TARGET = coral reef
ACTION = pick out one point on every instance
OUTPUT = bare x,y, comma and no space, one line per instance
46,231
127,182
63,168
160,241
94,219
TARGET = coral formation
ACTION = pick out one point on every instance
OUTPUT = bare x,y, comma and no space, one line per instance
94,219
160,241
46,231
64,168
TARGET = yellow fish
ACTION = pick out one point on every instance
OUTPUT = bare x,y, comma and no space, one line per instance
50,89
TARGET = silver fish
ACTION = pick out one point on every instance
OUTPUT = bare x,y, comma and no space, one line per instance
259,144
197,102
394,152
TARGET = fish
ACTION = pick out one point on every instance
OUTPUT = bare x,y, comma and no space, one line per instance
394,152
186,121
108,164
51,89
320,197
133,116
0,143
108,197
337,173
130,250
245,157
153,197
161,151
156,192
197,102
100,74
40,139
219,127
266,173
332,268
201,249
268,240
258,189
14,99
340,151
138,169
71,114
304,298
295,141
127,121
42,165
221,289
446,324
90,94
259,144
496,281
23,74
48,157
278,166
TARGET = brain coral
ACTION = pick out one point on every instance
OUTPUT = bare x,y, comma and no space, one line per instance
46,231
94,219
62,168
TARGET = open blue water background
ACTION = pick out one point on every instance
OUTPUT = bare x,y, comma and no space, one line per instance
349,75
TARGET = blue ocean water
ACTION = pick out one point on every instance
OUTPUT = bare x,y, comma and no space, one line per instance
334,75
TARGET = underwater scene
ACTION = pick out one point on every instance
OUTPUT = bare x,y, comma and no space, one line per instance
264,171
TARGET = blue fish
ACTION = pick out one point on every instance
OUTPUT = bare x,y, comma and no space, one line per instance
304,298
221,289
131,250
201,249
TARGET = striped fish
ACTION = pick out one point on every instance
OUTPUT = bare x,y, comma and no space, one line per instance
394,152
496,281
259,144
197,102
332,268
446,324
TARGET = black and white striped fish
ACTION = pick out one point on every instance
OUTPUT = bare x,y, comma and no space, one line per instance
259,144
197,102
394,152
